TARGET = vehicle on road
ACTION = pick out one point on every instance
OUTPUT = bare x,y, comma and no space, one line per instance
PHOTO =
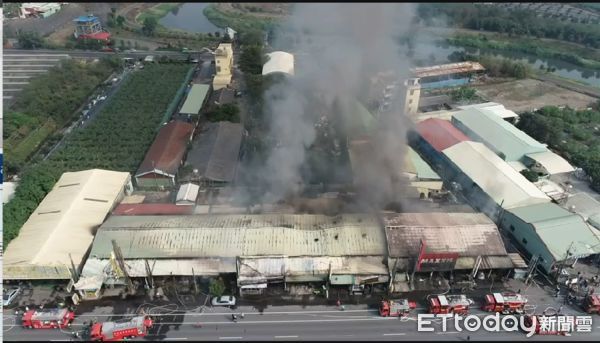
225,300
443,304
396,308
10,295
48,318
505,303
117,331
591,303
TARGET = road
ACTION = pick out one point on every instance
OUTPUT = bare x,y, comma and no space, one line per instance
290,323
98,54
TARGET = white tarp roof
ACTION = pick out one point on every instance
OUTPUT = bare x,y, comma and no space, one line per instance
279,62
553,163
494,176
63,224
187,192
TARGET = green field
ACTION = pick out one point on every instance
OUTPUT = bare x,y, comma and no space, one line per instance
117,139
238,22
157,11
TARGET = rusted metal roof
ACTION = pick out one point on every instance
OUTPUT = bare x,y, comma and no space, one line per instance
440,134
167,150
447,69
152,209
469,234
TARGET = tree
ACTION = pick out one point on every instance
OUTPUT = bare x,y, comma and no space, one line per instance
216,288
30,40
227,112
149,26
217,34
120,21
530,175
251,59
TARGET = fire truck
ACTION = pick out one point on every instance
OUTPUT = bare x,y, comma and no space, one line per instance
113,331
552,329
591,303
505,303
443,304
396,308
48,319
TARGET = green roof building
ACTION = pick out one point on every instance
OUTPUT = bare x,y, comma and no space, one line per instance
551,232
195,99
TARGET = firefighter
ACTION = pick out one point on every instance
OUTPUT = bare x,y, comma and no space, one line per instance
557,291
242,315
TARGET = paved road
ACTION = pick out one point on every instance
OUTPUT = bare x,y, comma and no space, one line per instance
98,54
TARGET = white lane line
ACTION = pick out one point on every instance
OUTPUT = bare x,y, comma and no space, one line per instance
286,336
230,337
394,334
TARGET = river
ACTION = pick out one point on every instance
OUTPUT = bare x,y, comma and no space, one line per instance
424,49
189,17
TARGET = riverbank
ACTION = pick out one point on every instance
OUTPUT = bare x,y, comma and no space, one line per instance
237,21
157,12
582,57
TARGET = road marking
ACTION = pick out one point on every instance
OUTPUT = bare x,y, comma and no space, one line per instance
286,336
443,333
230,337
394,334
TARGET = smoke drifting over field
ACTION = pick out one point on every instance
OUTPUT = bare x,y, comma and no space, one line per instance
342,47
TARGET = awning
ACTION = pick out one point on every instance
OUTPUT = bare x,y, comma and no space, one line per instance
260,285
89,283
342,279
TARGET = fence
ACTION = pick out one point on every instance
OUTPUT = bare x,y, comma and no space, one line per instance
173,105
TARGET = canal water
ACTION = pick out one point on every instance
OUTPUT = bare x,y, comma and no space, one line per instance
189,17
567,70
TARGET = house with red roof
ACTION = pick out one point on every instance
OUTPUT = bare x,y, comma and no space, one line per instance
165,156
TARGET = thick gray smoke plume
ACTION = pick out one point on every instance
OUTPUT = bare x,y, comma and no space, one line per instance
339,49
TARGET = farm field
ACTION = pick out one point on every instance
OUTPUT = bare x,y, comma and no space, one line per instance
116,140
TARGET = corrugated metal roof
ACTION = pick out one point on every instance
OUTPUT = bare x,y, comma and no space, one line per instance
439,133
63,224
195,99
553,163
447,69
165,267
559,228
494,108
187,192
416,165
584,204
167,150
494,176
240,235
215,152
151,209
469,234
498,134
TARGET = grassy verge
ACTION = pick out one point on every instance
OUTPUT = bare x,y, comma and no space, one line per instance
237,21
586,58
18,152
157,11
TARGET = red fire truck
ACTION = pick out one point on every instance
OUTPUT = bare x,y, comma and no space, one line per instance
553,328
443,304
396,308
48,318
505,303
113,331
591,303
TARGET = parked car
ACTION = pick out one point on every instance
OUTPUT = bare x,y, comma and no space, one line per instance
10,295
225,300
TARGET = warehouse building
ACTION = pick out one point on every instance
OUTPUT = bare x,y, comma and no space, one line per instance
60,230
213,157
556,236
421,176
487,181
165,156
457,244
447,75
513,145
347,250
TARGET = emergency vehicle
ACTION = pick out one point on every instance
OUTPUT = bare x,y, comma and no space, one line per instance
48,318
552,328
443,304
505,303
591,303
396,308
113,331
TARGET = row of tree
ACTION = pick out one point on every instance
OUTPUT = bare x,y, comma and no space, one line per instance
517,22
575,134
495,66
